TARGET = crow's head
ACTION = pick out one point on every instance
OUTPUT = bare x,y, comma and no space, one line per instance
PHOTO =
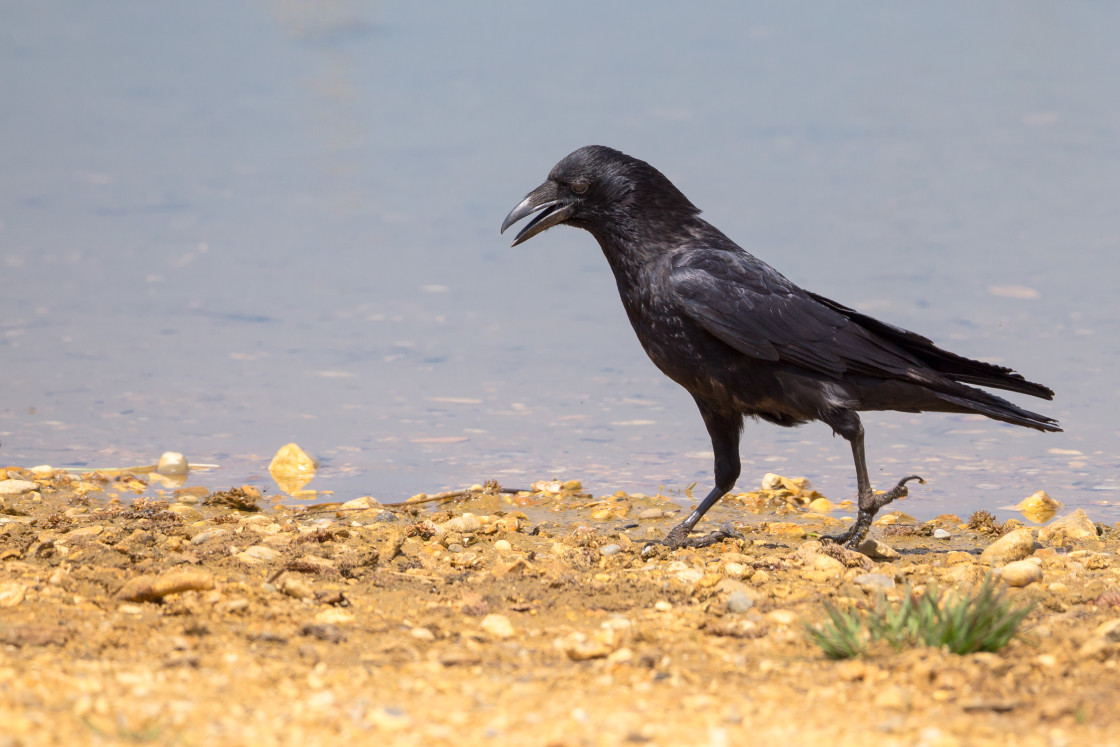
597,188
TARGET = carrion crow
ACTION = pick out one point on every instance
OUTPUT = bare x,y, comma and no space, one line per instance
743,339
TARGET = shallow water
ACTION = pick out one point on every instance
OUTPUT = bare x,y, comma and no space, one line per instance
226,226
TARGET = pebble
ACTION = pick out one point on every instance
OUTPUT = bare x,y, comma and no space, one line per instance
605,549
823,505
651,513
294,587
422,634
17,487
739,602
12,593
941,534
877,550
782,617
1074,526
505,546
874,581
172,463
261,553
498,626
823,568
1021,572
334,616
208,535
92,531
1039,501
153,588
290,459
663,606
787,528
359,504
1012,546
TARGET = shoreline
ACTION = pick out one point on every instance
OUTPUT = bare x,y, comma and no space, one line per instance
538,618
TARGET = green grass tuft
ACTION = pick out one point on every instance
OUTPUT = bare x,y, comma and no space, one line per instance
977,621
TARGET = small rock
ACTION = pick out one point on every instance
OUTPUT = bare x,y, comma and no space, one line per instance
771,481
1039,501
498,626
782,617
611,549
821,505
760,577
686,575
505,546
172,463
1021,572
290,459
877,550
651,513
739,601
581,647
422,634
1074,526
262,553
185,512
153,588
92,531
208,535
12,593
334,616
1012,546
358,504
786,528
735,569
17,487
874,581
294,587
663,606
895,517
823,568
958,556
941,534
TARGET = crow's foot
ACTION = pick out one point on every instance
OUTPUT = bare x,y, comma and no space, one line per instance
867,510
678,537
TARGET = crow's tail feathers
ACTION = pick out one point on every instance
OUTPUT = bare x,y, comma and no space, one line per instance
950,365
997,408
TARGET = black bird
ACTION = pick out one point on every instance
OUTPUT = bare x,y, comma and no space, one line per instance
744,340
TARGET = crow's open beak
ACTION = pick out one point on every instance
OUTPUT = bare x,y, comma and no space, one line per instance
553,210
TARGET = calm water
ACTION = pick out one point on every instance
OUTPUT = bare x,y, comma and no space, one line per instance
229,225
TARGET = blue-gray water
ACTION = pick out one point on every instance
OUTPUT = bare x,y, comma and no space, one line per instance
229,225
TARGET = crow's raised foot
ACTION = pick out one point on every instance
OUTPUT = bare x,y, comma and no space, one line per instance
867,510
678,536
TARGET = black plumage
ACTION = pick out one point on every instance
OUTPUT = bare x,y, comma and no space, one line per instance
746,341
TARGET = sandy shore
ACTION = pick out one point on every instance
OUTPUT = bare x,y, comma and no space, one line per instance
128,616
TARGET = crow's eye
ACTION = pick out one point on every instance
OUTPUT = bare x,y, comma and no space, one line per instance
579,186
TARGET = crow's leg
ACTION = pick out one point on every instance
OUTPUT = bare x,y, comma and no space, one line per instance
848,425
724,430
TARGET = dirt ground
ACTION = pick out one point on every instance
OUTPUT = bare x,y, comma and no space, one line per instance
133,615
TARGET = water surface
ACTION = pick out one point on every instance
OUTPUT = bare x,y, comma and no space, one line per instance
229,225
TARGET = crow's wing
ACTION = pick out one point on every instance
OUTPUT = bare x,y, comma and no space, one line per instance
757,311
